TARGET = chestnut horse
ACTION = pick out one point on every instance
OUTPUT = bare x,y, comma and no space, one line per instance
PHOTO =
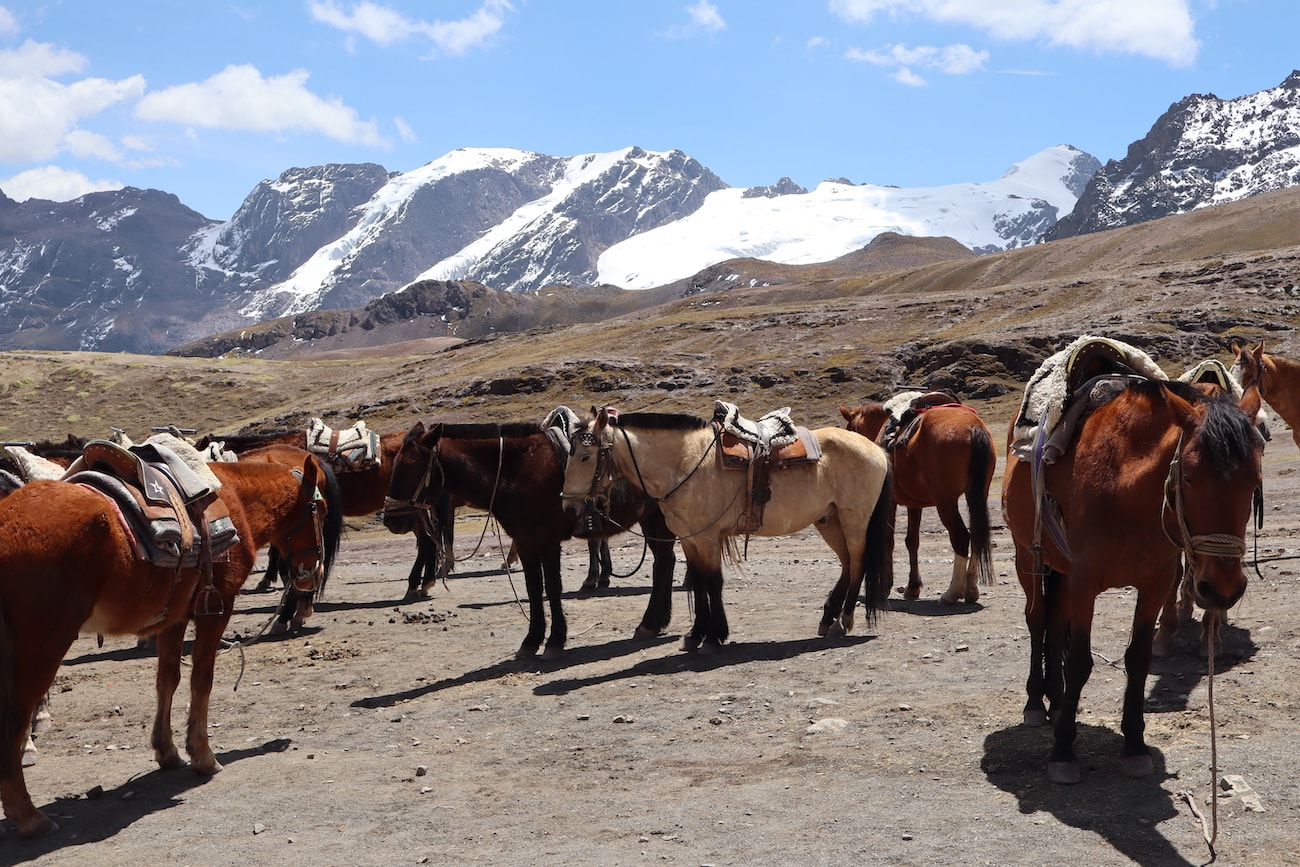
67,565
1158,472
947,455
516,472
676,460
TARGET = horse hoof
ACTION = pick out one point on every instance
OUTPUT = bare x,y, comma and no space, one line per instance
1035,718
553,652
949,598
912,592
588,587
972,597
170,762
691,643
644,634
1064,772
834,630
1137,767
279,627
204,769
526,651
29,756
40,825
414,596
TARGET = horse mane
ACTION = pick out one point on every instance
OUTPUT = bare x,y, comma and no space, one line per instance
486,430
660,421
1225,434
244,442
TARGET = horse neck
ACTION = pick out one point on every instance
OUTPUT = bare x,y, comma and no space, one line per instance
267,494
1282,384
482,471
657,461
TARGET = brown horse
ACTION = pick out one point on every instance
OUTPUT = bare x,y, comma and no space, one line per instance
1277,378
516,472
67,565
947,453
1156,471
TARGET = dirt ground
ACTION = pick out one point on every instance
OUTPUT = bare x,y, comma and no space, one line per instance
407,734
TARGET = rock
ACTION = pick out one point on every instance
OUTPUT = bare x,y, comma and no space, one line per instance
830,725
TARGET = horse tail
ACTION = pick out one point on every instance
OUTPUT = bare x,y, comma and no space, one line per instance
982,455
332,529
878,556
9,720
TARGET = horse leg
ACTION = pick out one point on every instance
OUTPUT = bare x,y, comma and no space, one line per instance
1136,759
1163,643
593,567
208,630
913,541
606,563
536,608
40,722
167,678
1063,764
31,680
1035,711
704,569
837,601
269,576
963,585
659,610
555,594
415,578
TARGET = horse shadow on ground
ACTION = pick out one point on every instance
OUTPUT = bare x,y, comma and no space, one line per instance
934,607
1124,812
99,815
1174,677
702,660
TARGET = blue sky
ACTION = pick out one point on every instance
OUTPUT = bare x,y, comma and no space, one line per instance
206,100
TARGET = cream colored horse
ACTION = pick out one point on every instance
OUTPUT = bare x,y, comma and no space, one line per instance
676,459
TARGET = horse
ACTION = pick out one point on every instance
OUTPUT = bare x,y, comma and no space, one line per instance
945,454
515,471
844,494
1153,472
68,565
1276,376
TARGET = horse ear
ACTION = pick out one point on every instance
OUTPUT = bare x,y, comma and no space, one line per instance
1259,349
847,413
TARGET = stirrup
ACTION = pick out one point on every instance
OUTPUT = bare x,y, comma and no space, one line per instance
203,602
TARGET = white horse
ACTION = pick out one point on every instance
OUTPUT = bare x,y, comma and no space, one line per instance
677,460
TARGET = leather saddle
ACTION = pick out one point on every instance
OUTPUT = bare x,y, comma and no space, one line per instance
760,459
174,517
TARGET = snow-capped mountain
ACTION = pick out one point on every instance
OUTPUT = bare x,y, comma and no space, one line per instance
511,219
799,227
1203,151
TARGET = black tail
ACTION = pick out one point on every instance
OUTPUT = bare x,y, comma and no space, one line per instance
977,503
878,558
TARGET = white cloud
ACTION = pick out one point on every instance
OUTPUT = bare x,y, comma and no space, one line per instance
706,17
53,183
1160,29
404,131
950,60
39,59
37,115
8,24
385,26
84,144
239,98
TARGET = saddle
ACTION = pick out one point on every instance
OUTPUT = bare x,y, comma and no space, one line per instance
905,418
172,514
353,448
772,443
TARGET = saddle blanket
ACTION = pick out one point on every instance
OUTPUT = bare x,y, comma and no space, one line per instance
351,448
1047,394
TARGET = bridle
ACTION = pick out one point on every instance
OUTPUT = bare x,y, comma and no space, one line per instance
415,503
1226,545
306,577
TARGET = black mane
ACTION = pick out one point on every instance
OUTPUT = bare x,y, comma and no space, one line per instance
660,421
487,430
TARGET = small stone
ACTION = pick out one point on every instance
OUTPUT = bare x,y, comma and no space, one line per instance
907,837
962,648
258,828
421,770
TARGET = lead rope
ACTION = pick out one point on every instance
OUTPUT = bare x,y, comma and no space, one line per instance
1209,830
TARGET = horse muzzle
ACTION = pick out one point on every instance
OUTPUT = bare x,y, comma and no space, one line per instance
1218,583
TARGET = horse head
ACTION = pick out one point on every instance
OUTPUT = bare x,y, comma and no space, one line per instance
1248,366
867,419
1211,490
413,465
305,546
589,473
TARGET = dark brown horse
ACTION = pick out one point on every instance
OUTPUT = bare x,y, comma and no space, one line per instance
69,566
516,472
945,454
1156,471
